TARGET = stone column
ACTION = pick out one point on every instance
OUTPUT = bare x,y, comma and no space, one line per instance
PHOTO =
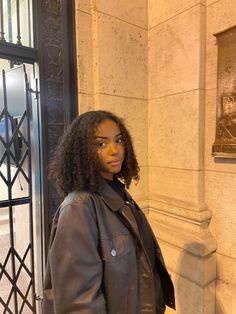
177,209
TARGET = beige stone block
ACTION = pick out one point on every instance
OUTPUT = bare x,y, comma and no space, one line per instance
179,187
226,269
162,10
139,191
192,298
209,2
225,298
181,261
198,216
83,5
176,54
211,62
221,15
221,199
84,53
175,133
210,127
85,103
184,225
134,113
189,236
132,11
122,58
226,285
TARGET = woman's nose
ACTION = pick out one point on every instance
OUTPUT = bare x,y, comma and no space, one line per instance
113,148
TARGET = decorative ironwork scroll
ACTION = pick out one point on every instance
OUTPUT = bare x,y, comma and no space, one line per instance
225,141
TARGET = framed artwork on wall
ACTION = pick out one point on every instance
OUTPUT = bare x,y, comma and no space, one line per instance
225,138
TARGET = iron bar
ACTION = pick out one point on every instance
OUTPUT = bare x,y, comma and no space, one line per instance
15,202
2,38
9,10
29,22
31,218
18,53
9,186
18,22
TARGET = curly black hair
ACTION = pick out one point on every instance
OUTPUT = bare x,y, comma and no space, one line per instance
75,166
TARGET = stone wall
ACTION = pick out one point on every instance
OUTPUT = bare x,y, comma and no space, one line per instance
220,175
155,63
178,211
112,68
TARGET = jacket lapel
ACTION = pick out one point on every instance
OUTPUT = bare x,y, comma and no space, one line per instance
123,210
119,206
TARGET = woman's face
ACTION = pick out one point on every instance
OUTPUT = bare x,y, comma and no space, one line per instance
110,148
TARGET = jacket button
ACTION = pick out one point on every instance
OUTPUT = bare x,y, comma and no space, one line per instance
113,252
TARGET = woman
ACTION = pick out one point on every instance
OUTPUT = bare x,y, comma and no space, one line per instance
103,257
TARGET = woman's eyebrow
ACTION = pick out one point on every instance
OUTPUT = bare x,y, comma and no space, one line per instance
102,137
105,137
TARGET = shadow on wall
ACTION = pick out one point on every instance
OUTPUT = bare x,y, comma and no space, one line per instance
196,281
219,308
225,298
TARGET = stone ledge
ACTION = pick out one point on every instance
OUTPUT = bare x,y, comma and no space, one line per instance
196,240
195,215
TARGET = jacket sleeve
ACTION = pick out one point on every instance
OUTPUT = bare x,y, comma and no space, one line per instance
75,264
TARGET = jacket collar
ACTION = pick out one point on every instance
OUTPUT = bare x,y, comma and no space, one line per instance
116,203
110,197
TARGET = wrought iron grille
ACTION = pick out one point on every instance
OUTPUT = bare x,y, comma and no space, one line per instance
16,21
17,279
39,34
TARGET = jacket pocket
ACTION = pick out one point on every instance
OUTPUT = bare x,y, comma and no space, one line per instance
112,249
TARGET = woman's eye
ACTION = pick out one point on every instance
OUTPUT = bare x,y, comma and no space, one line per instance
101,144
119,141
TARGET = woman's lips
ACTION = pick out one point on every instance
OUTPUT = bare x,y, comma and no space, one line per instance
115,163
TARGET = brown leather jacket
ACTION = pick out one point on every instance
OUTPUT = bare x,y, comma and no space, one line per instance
97,263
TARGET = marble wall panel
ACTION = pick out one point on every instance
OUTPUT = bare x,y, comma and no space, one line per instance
162,10
175,134
84,52
177,186
176,53
132,11
122,58
134,113
221,199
